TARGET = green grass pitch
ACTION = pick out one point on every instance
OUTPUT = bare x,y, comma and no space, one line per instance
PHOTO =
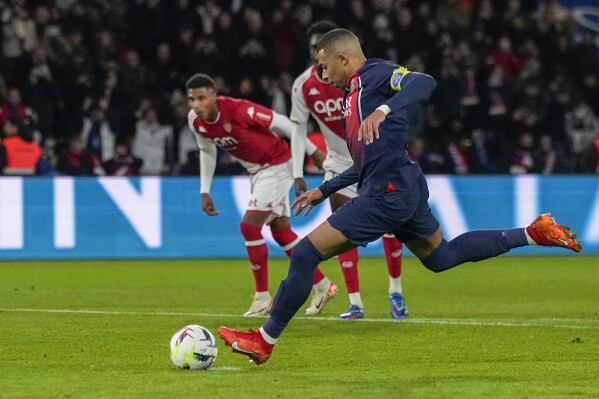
511,327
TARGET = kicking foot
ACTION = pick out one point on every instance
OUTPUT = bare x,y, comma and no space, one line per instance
250,344
545,231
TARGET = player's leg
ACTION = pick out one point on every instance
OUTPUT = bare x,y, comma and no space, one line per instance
393,253
255,244
323,243
324,289
357,223
439,255
349,264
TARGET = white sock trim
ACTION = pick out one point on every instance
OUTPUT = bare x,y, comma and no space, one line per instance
395,285
291,244
255,243
529,238
267,337
356,299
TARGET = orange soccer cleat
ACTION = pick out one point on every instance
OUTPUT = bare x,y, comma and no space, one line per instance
248,343
545,231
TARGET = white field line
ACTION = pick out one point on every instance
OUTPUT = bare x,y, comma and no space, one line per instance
545,322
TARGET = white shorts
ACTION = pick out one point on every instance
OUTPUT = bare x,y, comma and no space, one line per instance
270,190
333,167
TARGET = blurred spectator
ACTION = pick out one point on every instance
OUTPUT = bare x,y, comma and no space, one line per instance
18,39
191,164
428,162
582,127
97,135
547,161
20,153
162,77
523,161
77,161
503,56
187,145
153,143
42,94
529,98
123,163
14,108
47,163
589,160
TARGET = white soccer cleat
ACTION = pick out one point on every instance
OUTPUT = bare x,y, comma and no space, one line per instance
321,297
260,305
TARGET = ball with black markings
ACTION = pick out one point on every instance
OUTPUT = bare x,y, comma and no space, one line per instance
193,348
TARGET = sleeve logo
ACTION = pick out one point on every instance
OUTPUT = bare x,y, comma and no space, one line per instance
396,77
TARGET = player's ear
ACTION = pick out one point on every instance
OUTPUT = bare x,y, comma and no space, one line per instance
343,59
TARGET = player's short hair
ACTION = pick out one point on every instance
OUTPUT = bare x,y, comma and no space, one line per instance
332,38
198,81
320,27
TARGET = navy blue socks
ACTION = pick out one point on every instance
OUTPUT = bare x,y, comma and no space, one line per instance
295,289
474,246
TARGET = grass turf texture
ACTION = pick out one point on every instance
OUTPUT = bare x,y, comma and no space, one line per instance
504,328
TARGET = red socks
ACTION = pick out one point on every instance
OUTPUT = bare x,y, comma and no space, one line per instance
286,238
257,254
393,252
349,266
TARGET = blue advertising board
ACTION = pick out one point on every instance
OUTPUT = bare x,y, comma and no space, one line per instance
152,217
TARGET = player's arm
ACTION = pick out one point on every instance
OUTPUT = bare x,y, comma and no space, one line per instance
284,127
299,135
408,88
347,178
208,154
310,199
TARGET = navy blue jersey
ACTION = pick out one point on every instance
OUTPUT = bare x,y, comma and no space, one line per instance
383,165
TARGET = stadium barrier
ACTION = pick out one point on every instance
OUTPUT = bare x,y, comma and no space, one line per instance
153,217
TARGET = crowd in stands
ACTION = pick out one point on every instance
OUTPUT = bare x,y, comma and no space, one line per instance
96,87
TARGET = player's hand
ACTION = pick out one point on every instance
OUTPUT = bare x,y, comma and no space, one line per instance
300,186
369,128
307,200
208,205
318,157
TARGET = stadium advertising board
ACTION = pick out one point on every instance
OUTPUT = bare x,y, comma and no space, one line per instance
152,217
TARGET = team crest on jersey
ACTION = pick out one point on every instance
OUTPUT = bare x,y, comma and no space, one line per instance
313,92
396,77
352,85
227,126
250,112
202,129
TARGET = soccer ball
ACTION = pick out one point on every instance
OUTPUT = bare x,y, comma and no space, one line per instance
193,348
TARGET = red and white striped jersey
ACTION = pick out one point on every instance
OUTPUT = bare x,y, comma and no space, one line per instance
242,128
312,95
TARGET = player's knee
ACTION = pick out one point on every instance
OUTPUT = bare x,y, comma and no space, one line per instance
434,266
305,257
250,231
440,259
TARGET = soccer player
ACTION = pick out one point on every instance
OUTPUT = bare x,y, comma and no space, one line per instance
393,194
311,95
248,131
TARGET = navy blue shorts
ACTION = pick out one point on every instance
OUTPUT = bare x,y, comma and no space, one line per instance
406,214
